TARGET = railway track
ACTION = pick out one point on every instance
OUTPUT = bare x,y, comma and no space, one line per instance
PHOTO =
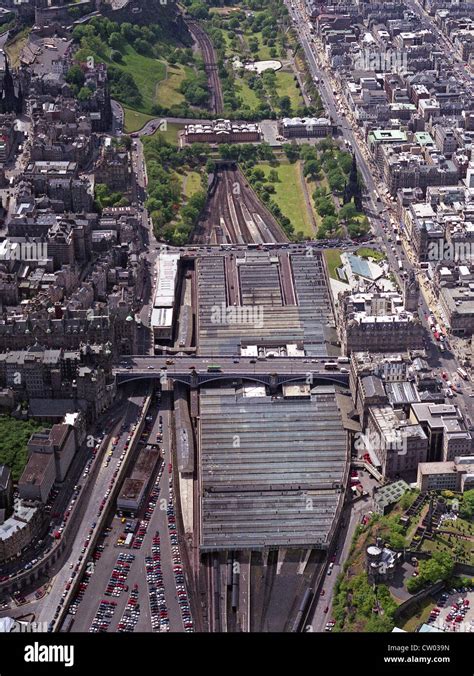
252,220
210,63
235,215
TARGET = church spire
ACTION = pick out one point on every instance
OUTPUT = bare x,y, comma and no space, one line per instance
9,102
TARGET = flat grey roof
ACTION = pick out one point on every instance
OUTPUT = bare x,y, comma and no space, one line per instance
292,299
272,470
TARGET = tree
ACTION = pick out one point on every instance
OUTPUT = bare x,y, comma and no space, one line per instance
74,12
253,45
396,540
123,87
330,224
75,76
143,47
116,41
292,152
127,30
104,198
284,104
326,144
345,162
264,151
82,31
336,180
353,189
273,176
466,510
414,584
194,90
439,567
312,169
198,10
210,166
379,624
325,207
347,212
359,227
84,94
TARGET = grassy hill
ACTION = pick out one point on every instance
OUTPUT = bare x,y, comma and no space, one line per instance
149,72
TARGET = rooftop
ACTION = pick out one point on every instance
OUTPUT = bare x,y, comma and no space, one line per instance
387,495
263,460
277,297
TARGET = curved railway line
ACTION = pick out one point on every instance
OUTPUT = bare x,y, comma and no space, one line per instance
209,57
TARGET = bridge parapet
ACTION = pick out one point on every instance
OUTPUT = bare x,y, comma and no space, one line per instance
273,380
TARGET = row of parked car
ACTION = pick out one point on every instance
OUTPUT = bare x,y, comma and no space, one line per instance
178,571
156,588
103,616
154,575
153,499
131,613
140,534
80,592
118,577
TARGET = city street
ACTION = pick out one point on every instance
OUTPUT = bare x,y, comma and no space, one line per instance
351,518
96,496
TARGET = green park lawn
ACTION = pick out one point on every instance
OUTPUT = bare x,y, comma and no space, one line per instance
459,526
442,543
157,81
333,261
147,73
263,53
286,86
223,10
248,96
171,133
134,120
290,197
15,46
366,252
191,183
312,185
168,93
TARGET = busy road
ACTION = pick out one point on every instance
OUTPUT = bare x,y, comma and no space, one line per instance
163,367
97,499
384,224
